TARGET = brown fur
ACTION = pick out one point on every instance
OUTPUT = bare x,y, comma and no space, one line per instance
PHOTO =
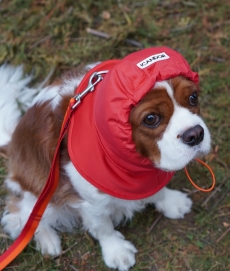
32,148
184,88
156,101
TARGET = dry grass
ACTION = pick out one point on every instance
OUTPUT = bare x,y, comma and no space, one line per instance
54,36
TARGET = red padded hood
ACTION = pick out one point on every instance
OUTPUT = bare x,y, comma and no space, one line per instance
100,136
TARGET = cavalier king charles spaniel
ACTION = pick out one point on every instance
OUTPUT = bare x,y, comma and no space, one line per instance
137,126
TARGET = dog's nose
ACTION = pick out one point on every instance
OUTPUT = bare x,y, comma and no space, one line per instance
193,136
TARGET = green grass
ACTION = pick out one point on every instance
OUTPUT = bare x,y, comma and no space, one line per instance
52,35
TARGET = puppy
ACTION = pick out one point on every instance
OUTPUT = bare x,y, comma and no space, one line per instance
139,124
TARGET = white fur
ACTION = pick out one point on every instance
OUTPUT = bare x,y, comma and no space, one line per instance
121,254
15,97
47,240
48,94
14,222
13,186
173,204
46,237
101,212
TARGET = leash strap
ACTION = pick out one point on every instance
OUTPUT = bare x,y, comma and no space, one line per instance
32,223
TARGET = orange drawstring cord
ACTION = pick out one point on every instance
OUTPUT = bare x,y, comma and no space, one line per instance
212,173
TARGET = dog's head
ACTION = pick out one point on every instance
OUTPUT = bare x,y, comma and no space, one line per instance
142,118
166,124
156,92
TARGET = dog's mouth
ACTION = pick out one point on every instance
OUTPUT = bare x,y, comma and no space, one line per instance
185,158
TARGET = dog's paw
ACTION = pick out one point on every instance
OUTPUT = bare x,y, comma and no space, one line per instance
47,241
117,252
174,204
12,224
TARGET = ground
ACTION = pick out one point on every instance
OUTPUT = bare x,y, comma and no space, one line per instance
54,36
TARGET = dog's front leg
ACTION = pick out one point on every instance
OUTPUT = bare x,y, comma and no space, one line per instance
117,252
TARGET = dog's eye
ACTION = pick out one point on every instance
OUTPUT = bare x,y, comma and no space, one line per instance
152,120
193,99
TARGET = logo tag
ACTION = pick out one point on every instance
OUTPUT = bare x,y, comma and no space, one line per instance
152,59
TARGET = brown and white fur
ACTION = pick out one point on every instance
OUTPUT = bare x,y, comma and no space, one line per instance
180,136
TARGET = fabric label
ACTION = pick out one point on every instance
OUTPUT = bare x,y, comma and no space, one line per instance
152,59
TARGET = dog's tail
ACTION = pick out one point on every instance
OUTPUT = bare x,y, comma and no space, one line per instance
15,99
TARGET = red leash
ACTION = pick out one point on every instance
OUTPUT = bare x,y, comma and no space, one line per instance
43,200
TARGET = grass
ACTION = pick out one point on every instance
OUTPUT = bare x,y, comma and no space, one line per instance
52,36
